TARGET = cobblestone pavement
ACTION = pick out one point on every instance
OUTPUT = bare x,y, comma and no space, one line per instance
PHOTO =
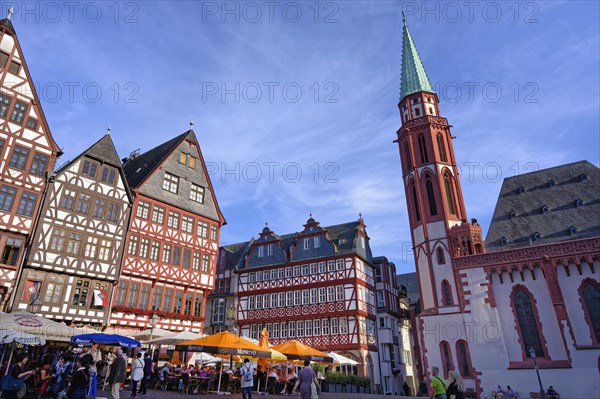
176,395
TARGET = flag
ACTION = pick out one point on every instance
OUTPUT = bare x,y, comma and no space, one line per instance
100,298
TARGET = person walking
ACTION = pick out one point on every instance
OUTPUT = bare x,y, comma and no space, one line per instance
456,386
81,379
147,374
137,374
18,372
438,385
307,382
247,374
117,374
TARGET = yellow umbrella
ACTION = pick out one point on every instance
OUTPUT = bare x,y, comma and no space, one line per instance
296,350
226,343
175,358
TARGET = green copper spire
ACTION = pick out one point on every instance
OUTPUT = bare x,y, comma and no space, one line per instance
414,77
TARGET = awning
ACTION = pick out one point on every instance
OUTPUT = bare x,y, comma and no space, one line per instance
39,326
105,339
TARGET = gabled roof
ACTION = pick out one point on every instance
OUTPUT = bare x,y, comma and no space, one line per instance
414,78
344,237
139,168
551,205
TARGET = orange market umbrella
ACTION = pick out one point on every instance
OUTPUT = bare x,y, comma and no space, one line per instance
226,343
296,350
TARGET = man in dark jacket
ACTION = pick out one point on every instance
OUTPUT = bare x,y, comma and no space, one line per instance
117,374
147,373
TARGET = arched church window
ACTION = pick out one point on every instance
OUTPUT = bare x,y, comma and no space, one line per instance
447,294
591,298
442,148
462,355
407,157
430,196
528,328
441,258
478,248
449,196
416,202
423,149
446,357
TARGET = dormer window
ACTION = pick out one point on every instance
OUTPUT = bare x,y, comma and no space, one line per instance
583,177
551,183
536,236
512,214
572,230
545,209
306,243
503,241
261,251
578,203
269,249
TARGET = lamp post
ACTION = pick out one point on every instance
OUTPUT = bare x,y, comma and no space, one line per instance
532,354
35,305
153,321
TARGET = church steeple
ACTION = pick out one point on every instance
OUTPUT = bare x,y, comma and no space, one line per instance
414,77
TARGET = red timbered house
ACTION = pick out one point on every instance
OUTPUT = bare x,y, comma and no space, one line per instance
316,286
27,152
77,245
172,244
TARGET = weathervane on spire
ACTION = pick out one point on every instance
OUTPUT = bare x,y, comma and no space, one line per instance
108,130
191,124
11,11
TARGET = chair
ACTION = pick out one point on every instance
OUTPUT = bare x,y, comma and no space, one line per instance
166,380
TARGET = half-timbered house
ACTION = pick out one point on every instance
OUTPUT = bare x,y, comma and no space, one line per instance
27,152
316,286
77,245
173,240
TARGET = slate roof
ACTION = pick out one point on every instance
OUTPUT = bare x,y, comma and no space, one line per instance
102,150
347,231
548,202
142,166
414,78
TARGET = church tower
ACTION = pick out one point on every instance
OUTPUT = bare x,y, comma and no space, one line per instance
436,208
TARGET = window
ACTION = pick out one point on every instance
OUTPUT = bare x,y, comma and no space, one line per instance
325,326
308,328
168,300
446,293
313,295
281,299
108,175
322,295
441,258
144,247
83,203
187,306
270,250
197,193
187,159
300,328
305,270
275,330
187,257
158,214
289,298
156,297
203,229
133,245
99,207
39,164
214,233
462,356
339,264
187,224
32,124
14,67
198,306
121,293
154,250
334,325
526,323
81,292
19,157
317,241
423,149
259,302
590,292
288,272
430,196
306,243
3,59
273,300
322,267
144,297
251,277
143,209
339,292
132,295
313,268
297,298
330,294
171,183
296,270
261,251
196,261
191,162
89,168
105,250
54,289
19,111
305,297
380,300
73,243
113,212
58,240
381,322
330,265
4,104
416,202
205,263
442,148
33,285
284,328
251,302
316,327
343,325
449,196
27,204
91,247
173,220
176,255
446,357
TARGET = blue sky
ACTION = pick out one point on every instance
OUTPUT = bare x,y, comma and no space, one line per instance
520,84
